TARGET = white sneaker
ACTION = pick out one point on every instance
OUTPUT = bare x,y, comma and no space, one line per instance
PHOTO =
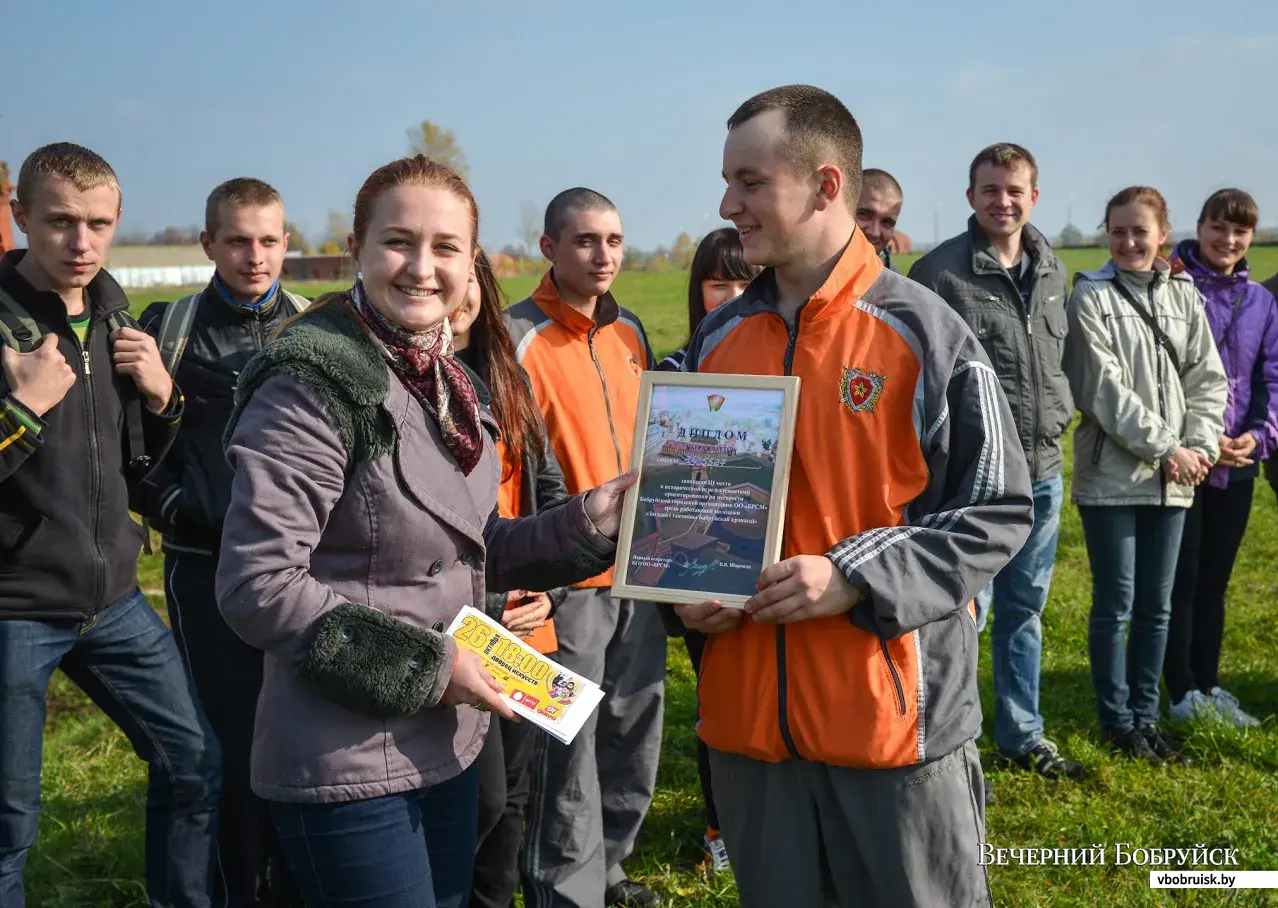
1226,704
1195,706
716,855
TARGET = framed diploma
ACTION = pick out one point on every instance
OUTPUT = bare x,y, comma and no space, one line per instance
705,517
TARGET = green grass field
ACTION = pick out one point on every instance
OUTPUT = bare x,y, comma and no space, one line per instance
90,848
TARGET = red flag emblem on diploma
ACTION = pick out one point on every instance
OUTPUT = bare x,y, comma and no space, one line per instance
716,401
860,390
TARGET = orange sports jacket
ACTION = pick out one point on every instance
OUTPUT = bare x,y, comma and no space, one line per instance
585,376
908,475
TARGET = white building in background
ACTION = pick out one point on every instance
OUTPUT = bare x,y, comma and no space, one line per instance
140,267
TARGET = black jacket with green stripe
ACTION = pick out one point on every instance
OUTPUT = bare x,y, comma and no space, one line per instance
68,545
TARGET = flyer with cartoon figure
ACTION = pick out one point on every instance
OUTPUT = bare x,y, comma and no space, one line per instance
540,690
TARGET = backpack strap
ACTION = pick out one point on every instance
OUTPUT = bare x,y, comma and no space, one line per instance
139,460
18,330
300,303
175,329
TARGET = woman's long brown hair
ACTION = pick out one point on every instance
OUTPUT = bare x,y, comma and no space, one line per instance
494,357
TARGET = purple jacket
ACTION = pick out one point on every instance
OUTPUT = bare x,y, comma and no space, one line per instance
1244,321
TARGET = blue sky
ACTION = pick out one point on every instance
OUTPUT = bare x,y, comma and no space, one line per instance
630,98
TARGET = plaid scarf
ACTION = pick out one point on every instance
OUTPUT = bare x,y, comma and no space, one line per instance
423,361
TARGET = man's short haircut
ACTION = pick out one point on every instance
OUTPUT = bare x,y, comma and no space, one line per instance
241,192
84,169
1232,205
563,206
818,129
1003,154
881,180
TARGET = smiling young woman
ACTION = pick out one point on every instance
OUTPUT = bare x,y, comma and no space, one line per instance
1146,376
1244,324
363,518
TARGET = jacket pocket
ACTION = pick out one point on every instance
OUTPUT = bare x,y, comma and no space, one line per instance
997,337
852,697
1098,447
16,535
896,677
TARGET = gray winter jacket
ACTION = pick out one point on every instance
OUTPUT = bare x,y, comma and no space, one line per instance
345,499
1026,348
1136,408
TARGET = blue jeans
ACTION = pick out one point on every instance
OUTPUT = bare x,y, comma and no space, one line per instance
409,850
1019,594
1133,552
128,664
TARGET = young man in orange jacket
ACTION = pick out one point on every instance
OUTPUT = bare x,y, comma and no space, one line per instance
840,706
584,355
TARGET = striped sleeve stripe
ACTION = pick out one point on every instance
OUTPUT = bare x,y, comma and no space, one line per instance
990,480
521,348
865,546
16,418
16,436
988,484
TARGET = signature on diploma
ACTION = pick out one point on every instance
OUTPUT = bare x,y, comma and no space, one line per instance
696,567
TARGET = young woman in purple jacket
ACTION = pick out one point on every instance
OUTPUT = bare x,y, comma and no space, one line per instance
1244,322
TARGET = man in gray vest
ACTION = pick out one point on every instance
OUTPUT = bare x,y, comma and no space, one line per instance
1002,277
205,341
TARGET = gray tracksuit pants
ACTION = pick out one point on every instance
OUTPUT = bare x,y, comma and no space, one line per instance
589,798
810,835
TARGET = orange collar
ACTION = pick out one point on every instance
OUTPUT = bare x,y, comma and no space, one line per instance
549,301
857,268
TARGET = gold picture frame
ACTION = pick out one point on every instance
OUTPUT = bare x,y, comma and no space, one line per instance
714,453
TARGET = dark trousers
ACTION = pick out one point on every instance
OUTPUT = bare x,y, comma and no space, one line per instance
1214,530
227,672
696,643
504,766
128,665
409,850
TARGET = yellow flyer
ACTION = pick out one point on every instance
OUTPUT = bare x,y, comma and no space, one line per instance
539,690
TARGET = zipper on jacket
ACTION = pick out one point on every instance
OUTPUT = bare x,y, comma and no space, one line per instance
783,718
896,678
1162,403
1032,365
603,382
95,474
1024,307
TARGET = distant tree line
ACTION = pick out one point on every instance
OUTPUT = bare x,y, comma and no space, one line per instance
524,257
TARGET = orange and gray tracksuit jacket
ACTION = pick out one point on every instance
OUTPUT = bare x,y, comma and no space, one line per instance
906,473
585,376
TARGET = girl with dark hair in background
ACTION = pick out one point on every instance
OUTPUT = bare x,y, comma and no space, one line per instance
719,273
1244,324
1149,384
531,481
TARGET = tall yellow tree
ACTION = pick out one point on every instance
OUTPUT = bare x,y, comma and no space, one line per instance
681,253
438,144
